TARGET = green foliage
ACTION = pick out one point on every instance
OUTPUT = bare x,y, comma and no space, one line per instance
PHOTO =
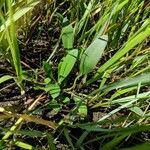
139,147
66,64
8,33
53,89
143,79
68,37
92,54
101,66
137,38
5,78
50,142
23,145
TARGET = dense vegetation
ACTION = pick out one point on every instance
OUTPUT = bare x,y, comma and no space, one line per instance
75,74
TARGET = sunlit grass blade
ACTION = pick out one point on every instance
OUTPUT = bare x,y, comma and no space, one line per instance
85,16
137,38
5,78
126,105
126,83
12,40
24,145
124,100
20,13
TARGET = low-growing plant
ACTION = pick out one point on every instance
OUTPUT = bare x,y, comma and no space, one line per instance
105,65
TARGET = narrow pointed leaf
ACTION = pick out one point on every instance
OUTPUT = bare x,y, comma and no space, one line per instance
137,38
51,142
144,146
5,78
143,79
20,13
23,145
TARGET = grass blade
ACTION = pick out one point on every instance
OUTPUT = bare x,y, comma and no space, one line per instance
24,145
51,142
20,13
68,139
144,146
5,78
137,38
110,145
129,82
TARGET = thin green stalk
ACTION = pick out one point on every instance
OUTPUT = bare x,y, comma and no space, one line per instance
14,46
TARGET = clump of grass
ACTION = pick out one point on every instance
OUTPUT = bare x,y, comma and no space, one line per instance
8,33
102,79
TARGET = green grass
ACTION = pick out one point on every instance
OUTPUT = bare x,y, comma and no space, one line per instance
106,52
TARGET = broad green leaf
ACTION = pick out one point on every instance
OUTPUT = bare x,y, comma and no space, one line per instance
66,65
92,54
53,89
68,36
47,80
5,78
83,110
